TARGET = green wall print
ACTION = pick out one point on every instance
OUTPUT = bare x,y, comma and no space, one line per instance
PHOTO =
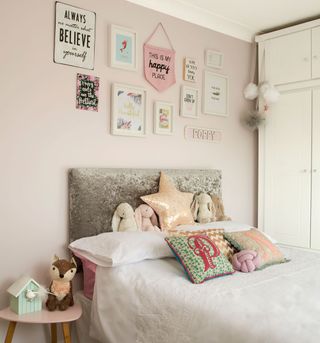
123,48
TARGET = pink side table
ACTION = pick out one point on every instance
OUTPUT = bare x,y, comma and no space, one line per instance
43,317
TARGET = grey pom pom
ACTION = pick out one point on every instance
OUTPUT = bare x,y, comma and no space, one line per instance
254,120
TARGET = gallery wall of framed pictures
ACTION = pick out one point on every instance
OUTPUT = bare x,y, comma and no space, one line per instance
202,91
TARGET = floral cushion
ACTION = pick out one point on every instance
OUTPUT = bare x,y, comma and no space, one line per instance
200,257
216,235
255,240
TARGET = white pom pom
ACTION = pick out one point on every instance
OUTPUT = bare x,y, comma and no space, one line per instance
43,293
30,294
269,93
251,91
263,87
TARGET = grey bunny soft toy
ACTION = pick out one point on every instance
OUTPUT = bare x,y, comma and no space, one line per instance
123,218
202,208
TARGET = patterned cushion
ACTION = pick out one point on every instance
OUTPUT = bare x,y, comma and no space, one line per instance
255,240
216,235
200,257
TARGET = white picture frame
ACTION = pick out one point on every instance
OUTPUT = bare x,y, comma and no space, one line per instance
128,110
189,100
190,69
74,39
213,59
123,48
163,118
215,94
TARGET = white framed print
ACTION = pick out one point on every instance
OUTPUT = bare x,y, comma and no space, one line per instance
213,59
215,94
189,102
190,67
74,41
128,112
123,51
163,118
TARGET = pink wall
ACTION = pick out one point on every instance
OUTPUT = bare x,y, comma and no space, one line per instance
42,134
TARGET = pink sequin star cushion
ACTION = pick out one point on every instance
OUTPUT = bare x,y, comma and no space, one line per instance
171,205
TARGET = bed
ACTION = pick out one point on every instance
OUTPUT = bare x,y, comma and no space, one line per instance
153,301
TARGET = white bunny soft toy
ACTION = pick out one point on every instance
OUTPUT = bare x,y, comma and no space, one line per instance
123,218
203,209
146,218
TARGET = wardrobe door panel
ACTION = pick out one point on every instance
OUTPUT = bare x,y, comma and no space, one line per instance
287,169
315,213
287,58
316,52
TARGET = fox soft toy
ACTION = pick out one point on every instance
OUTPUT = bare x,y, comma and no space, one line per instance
60,290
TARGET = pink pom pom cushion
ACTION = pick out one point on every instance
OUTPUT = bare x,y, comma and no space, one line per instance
254,240
246,261
200,257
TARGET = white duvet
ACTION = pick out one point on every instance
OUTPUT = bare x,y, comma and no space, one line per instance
154,302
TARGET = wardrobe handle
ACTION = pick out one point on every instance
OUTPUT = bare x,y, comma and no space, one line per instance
304,170
315,57
306,59
314,170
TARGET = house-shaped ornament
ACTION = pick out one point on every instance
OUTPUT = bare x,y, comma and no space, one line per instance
24,296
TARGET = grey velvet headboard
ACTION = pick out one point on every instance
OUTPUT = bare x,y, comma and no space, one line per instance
94,193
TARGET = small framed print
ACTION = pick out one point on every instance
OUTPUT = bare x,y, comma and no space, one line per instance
163,118
189,102
213,59
87,92
128,113
215,94
123,52
190,67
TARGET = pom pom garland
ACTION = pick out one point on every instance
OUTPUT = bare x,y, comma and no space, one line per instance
265,95
41,293
266,91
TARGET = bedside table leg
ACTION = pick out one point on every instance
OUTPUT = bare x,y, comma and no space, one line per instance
53,332
10,332
66,332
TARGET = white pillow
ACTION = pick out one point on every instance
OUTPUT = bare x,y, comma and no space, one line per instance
228,226
113,249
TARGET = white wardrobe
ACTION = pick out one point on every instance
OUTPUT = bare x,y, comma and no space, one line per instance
289,143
